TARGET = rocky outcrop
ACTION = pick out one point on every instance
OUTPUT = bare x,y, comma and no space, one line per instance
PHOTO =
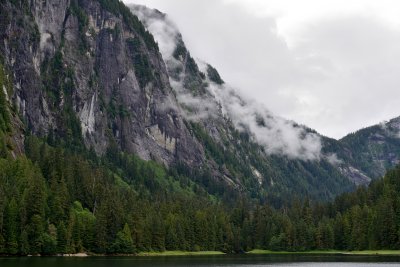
81,64
191,83
374,150
88,73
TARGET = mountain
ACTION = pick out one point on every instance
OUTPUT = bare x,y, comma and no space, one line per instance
114,139
231,123
305,160
360,156
375,149
90,74
369,152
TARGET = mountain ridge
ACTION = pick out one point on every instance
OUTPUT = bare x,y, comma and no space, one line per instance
89,73
112,142
357,176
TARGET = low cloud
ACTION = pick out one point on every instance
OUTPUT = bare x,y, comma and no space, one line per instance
167,36
193,108
334,69
277,135
163,29
333,159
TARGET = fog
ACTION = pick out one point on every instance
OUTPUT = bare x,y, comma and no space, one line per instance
330,65
279,136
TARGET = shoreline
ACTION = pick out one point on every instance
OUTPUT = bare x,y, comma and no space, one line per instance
327,252
140,254
180,253
255,252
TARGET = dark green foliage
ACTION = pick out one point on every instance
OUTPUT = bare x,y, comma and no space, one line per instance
141,64
62,198
121,204
58,201
2,244
35,228
76,10
124,242
213,75
180,51
53,74
50,241
11,227
288,178
223,158
371,143
58,83
62,238
24,248
193,78
4,112
118,8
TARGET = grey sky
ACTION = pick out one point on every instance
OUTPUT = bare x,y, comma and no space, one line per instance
333,66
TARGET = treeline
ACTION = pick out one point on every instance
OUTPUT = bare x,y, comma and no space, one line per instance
56,201
368,218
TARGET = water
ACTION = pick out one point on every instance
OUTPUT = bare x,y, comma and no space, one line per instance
204,261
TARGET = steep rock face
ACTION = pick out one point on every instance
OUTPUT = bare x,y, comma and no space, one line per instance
359,157
209,107
85,70
375,149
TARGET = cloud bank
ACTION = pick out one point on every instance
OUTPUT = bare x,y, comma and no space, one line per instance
332,66
277,135
167,35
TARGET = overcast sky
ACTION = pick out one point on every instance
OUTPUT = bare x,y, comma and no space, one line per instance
332,65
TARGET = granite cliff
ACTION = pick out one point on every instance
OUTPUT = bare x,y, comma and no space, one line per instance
95,73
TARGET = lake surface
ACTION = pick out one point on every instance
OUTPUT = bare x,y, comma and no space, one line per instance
204,261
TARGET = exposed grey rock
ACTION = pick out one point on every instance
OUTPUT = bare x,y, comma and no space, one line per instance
107,98
355,175
81,71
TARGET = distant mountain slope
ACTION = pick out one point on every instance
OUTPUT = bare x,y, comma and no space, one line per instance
375,149
114,139
359,157
265,152
90,75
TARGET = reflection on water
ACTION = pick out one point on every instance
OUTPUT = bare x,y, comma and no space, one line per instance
204,261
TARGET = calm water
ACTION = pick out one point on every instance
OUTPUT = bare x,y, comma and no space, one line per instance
214,261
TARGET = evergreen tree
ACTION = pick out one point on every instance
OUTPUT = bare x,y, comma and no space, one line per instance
11,228
24,247
171,236
101,239
158,234
386,219
62,238
339,232
123,242
35,195
50,241
35,234
2,244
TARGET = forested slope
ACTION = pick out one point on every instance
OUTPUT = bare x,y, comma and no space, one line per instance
102,152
